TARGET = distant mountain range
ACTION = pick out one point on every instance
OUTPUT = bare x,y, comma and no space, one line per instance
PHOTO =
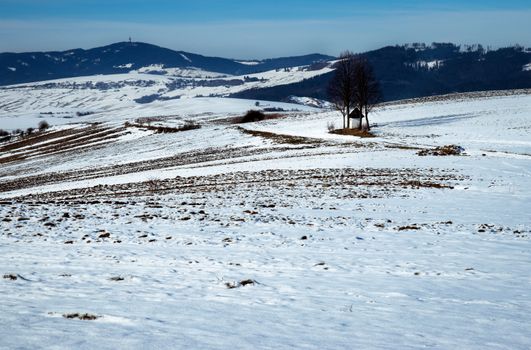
125,56
419,70
404,71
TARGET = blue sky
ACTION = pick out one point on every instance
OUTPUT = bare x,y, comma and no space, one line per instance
259,29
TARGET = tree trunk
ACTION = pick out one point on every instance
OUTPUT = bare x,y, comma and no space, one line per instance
344,122
367,118
343,117
361,119
348,118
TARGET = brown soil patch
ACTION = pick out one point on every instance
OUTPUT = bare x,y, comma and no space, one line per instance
281,138
165,129
59,142
352,183
353,132
448,150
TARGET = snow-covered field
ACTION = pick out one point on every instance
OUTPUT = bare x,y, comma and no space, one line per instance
271,235
122,96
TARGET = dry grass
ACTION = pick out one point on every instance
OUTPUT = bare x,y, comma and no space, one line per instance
404,147
448,150
353,132
364,183
38,138
84,317
189,125
280,138
55,142
425,184
116,278
264,116
408,228
58,142
243,283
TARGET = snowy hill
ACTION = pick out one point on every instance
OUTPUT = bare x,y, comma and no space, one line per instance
123,57
410,71
63,100
272,234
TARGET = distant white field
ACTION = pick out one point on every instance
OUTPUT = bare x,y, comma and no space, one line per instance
123,95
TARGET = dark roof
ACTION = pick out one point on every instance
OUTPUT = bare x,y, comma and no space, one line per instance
356,113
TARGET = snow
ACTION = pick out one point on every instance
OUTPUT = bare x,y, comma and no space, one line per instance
434,64
249,63
127,65
348,241
310,101
194,73
186,57
150,68
59,101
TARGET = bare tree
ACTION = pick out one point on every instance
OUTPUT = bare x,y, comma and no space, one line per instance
367,89
341,89
354,85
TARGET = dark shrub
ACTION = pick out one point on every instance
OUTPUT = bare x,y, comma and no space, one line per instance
29,131
189,125
273,109
83,114
4,135
43,125
253,116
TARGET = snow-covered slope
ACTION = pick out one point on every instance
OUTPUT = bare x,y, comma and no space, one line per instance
273,234
114,96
